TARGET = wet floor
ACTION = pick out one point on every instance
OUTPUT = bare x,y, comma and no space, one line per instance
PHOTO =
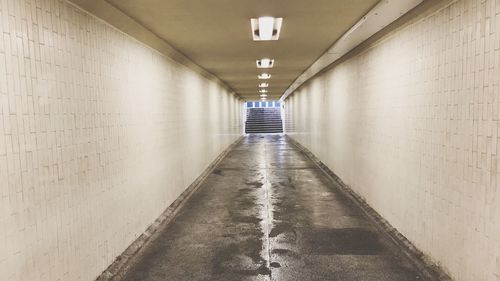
268,213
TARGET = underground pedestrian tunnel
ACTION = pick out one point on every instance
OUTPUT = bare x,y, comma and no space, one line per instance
249,140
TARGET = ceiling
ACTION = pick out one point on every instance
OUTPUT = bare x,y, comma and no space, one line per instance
216,35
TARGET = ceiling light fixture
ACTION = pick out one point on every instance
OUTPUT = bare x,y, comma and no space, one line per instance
266,28
264,76
263,91
265,63
263,95
263,85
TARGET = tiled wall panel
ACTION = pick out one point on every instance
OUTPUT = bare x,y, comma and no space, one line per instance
98,135
411,124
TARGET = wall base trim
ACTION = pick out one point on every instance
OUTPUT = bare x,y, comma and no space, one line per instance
125,260
421,261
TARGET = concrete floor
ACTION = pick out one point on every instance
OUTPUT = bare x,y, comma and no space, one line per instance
268,213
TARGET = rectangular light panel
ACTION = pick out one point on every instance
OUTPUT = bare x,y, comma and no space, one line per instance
266,28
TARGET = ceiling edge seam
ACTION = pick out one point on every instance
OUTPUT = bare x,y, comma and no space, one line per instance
419,12
160,46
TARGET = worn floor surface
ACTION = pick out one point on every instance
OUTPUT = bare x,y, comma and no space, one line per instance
268,213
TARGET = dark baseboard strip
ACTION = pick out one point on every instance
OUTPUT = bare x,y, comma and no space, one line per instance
123,262
416,257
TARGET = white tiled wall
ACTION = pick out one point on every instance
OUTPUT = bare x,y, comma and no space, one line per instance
98,135
411,124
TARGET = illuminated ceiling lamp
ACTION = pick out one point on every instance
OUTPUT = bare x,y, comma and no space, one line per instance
263,91
264,76
266,28
263,85
265,63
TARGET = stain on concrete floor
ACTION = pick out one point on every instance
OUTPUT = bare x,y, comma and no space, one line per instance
268,213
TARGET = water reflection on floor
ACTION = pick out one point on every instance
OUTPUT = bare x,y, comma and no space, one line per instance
268,213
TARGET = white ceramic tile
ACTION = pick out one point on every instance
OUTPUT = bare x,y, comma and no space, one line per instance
411,125
98,135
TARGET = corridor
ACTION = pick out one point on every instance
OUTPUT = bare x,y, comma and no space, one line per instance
290,140
266,212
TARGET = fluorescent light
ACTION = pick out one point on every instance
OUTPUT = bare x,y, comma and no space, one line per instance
264,85
264,76
266,28
265,63
263,95
263,91
263,98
